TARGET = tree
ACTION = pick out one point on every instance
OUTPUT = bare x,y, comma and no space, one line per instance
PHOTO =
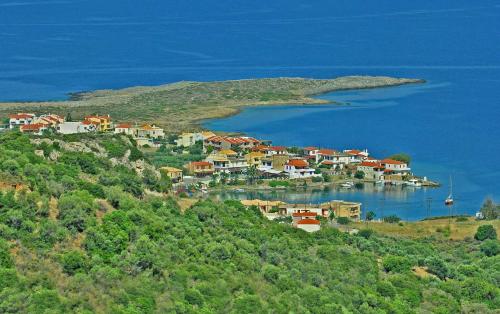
402,157
391,219
485,232
359,175
370,216
397,264
251,174
343,220
490,210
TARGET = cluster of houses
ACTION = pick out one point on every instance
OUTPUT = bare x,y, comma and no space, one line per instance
238,154
305,216
30,123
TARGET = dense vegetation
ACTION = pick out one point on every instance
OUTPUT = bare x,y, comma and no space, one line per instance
86,236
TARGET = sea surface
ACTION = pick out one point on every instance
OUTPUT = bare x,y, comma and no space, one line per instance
450,125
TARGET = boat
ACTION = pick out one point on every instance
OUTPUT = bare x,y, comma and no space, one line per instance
449,200
239,190
380,182
347,185
414,183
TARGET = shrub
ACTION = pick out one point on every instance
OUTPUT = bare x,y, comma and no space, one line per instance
485,232
490,247
392,219
437,267
365,233
73,262
343,220
370,216
397,264
317,179
277,183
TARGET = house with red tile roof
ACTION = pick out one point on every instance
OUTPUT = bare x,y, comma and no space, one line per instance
50,120
34,128
357,155
372,170
298,169
308,225
226,142
395,166
332,158
18,119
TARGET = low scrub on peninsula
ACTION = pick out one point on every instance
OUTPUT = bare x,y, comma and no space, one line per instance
81,235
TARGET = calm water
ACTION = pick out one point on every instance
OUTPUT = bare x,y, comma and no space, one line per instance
49,48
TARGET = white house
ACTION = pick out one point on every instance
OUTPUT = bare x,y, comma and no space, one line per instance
298,168
309,225
76,127
16,120
124,128
189,139
395,166
35,128
332,157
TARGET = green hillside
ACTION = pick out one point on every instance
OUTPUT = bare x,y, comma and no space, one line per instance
89,231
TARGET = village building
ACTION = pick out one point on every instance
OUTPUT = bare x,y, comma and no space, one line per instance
254,158
356,156
227,161
34,128
351,210
16,120
371,170
225,142
149,131
173,173
49,120
103,122
331,157
298,168
200,168
124,128
76,127
395,166
308,225
190,139
266,207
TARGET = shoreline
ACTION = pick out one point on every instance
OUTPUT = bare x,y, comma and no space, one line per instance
185,106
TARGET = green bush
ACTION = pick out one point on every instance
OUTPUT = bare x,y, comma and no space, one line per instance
391,219
343,220
485,232
490,247
397,264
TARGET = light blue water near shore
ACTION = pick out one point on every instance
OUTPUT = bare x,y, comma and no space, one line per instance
450,125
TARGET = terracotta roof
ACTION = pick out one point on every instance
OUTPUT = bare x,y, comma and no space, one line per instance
233,140
278,148
304,214
392,162
309,148
308,222
21,116
298,163
371,164
328,152
201,163
32,127
87,122
124,126
328,162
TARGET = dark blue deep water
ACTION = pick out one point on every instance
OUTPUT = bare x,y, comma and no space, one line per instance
49,48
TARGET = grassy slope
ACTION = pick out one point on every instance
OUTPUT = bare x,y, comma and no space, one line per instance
180,106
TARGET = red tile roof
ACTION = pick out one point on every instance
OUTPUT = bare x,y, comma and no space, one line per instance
309,148
124,126
304,214
87,122
328,162
201,163
308,222
298,163
233,140
21,116
32,127
328,152
278,148
392,162
371,164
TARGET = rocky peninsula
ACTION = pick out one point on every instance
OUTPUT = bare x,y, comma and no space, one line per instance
181,106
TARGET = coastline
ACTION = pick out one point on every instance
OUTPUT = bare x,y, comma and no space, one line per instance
184,106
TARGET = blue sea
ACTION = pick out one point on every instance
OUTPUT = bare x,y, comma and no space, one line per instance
49,48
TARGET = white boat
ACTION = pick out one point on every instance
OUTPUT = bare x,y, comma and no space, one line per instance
239,190
347,185
449,200
380,182
414,183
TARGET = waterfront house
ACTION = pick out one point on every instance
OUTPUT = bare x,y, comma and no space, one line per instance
189,139
16,120
356,156
372,170
298,168
173,173
266,207
274,150
76,127
103,122
200,168
396,166
34,128
227,161
291,209
311,152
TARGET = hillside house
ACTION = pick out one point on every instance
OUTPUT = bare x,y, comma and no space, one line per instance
76,127
173,173
298,168
16,120
103,122
200,168
34,128
372,170
234,143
